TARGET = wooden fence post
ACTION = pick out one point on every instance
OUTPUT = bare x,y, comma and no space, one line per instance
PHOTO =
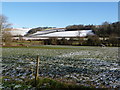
37,70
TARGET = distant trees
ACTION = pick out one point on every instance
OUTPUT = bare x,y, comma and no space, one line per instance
109,31
113,39
104,30
93,41
64,41
79,27
53,41
81,41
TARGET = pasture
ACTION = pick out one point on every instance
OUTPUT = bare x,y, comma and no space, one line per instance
81,65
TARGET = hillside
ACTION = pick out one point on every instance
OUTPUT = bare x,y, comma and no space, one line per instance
62,33
34,30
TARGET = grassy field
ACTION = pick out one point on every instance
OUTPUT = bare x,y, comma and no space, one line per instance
25,43
80,65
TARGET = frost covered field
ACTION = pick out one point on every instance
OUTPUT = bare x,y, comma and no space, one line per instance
89,66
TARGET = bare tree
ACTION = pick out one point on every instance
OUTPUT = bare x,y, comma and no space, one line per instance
4,30
4,23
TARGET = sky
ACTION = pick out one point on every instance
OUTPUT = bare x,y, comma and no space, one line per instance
59,14
60,0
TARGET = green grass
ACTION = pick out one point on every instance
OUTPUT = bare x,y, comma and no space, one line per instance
107,53
25,43
74,55
39,47
41,83
51,47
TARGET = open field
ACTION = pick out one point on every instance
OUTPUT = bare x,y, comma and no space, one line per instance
89,66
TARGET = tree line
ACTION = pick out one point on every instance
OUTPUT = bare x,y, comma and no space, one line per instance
105,30
82,41
106,34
